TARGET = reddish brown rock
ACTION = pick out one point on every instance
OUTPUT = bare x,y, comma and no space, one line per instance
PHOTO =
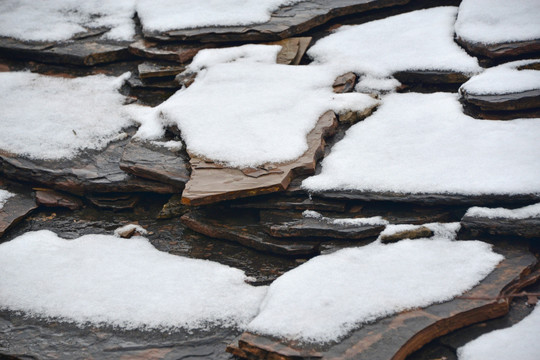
292,50
482,227
210,183
114,201
397,336
14,210
51,198
181,53
345,83
525,104
417,233
148,70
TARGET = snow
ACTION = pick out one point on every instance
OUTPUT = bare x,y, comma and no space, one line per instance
375,220
531,211
495,21
167,15
228,116
129,228
517,342
440,230
330,295
423,143
504,79
4,197
369,83
419,40
102,279
62,19
45,117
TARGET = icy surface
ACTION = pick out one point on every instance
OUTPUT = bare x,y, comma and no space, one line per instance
504,79
56,20
245,110
122,282
495,21
330,295
419,40
517,342
45,117
423,143
530,211
166,15
4,196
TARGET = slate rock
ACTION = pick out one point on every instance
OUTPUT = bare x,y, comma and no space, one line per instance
178,52
502,52
482,227
274,201
14,210
151,70
314,227
345,83
509,106
417,233
51,198
113,201
285,22
173,208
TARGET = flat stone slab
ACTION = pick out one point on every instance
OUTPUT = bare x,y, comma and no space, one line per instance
397,336
92,171
181,53
85,52
149,70
285,22
288,203
502,106
502,51
313,227
480,227
51,198
244,229
14,210
154,162
417,233
210,182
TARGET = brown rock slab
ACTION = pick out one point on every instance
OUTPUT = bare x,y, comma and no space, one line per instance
113,201
210,183
162,85
352,117
502,106
81,52
288,203
150,161
243,228
181,53
397,336
51,198
292,50
345,83
502,51
431,77
314,227
481,227
14,210
90,172
148,70
285,22
418,233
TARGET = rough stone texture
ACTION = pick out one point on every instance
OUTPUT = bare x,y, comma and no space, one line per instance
51,198
211,183
525,104
475,227
288,203
181,53
352,117
113,201
431,77
345,83
418,233
150,70
91,171
84,52
14,210
496,53
173,208
310,227
285,22
243,228
163,85
154,162
292,50
399,335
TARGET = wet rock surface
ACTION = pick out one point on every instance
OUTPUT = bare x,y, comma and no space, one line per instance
506,51
312,227
475,227
14,210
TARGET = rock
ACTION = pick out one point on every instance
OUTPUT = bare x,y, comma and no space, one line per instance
148,70
82,52
497,53
292,50
429,81
181,53
417,233
285,22
352,117
164,85
130,230
525,104
51,198
173,208
155,162
345,83
243,228
90,172
481,227
314,227
210,183
288,203
397,336
114,201
14,210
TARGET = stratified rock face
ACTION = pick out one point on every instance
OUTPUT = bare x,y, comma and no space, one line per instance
14,210
399,335
284,22
314,227
416,233
51,198
92,171
474,227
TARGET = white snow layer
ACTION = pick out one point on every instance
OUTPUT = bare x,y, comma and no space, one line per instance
62,19
419,40
375,220
45,117
122,282
495,21
128,228
526,212
245,110
517,342
181,14
4,196
504,79
423,143
330,295
440,230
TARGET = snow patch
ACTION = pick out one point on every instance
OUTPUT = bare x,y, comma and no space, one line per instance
130,228
531,211
517,342
423,143
45,117
375,220
330,295
102,279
